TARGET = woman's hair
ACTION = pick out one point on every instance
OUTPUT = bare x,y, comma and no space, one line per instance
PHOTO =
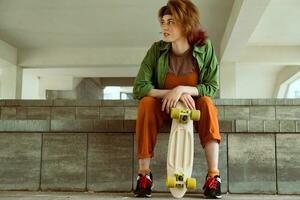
186,14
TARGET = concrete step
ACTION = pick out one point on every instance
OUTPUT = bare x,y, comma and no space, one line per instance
98,196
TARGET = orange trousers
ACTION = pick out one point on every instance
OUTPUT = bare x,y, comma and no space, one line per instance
150,118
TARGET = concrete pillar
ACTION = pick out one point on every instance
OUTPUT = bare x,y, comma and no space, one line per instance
11,81
88,89
30,88
227,80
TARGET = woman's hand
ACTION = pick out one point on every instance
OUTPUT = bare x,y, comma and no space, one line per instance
188,101
171,98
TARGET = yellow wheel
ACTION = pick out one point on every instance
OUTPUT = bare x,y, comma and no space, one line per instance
191,183
175,113
195,115
170,182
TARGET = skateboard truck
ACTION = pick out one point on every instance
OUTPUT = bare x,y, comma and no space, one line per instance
183,115
177,181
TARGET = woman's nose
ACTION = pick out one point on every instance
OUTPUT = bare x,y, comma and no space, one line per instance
165,27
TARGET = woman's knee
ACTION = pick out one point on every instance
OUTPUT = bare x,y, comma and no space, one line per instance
147,102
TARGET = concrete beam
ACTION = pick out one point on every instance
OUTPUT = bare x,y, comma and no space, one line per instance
8,54
245,16
102,71
271,55
80,57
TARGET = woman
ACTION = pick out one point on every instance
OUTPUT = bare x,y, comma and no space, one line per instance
181,67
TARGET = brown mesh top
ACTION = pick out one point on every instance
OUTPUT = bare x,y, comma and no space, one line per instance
182,64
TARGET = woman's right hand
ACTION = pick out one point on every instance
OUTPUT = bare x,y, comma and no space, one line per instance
188,101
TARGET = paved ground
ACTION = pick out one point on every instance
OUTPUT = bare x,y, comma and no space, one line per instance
12,195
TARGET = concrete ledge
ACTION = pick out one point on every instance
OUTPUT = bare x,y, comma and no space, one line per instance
90,146
128,126
228,109
134,103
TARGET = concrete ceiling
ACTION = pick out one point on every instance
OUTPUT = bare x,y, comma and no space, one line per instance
279,26
95,23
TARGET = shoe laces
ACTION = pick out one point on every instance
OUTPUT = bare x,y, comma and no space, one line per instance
211,183
144,181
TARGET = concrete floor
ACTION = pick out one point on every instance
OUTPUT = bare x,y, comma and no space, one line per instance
16,195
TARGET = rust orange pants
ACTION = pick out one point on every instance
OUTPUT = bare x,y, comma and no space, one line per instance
150,118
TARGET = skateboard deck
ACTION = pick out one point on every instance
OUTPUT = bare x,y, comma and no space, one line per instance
181,150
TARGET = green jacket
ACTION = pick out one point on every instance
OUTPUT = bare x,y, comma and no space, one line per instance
154,68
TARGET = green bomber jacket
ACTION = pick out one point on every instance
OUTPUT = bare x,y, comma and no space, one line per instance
154,68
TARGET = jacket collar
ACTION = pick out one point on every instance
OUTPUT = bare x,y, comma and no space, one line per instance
166,46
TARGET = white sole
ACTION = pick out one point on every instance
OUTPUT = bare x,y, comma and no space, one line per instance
217,197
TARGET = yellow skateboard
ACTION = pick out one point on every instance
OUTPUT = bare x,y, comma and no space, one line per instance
181,150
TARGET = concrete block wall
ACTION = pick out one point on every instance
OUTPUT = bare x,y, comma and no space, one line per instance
72,145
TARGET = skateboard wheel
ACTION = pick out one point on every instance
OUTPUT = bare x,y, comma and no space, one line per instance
171,182
195,115
175,113
191,183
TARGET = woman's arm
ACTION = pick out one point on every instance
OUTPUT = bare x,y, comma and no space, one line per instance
193,91
209,83
158,93
143,81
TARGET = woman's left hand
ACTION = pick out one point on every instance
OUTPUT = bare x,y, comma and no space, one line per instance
170,100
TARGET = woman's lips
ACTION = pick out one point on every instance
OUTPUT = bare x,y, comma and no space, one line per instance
166,34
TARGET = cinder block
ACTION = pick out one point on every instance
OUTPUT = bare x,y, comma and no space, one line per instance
288,126
114,113
251,163
256,126
131,103
130,113
241,126
263,102
8,112
112,103
288,163
110,162
79,125
271,126
262,113
29,102
38,113
284,102
21,113
63,113
227,126
64,102
87,112
221,112
64,162
24,125
288,112
236,112
20,161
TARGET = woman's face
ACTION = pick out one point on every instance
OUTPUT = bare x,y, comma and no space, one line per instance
171,30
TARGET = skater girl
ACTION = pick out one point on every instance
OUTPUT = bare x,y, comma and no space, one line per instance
180,67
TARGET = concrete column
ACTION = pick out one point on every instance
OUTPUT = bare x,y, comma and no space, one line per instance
227,80
11,81
30,88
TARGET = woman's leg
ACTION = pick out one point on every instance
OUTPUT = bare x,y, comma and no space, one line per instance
212,157
149,120
209,133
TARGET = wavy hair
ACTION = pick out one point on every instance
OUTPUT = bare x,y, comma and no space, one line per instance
186,14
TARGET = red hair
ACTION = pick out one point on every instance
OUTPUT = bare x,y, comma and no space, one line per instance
187,15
